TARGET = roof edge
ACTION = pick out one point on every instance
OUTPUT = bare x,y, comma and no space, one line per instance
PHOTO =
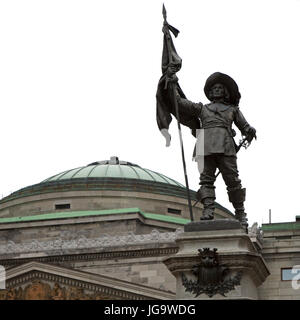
88,213
281,226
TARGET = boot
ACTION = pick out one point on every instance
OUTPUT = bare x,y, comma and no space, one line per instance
242,217
207,197
237,198
208,209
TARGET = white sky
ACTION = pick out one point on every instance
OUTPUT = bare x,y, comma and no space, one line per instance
78,82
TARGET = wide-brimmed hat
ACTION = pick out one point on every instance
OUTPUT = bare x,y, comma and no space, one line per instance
228,82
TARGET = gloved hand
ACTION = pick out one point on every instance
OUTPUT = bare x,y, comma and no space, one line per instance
250,134
171,72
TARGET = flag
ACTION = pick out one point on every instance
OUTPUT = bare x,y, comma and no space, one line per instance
164,98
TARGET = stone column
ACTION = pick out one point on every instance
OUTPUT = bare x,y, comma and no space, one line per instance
229,268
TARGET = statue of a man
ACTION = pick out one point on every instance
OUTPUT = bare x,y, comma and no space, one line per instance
216,118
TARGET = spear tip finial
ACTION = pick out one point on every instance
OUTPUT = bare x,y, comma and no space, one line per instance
164,12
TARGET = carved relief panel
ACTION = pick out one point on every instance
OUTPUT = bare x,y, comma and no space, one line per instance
40,290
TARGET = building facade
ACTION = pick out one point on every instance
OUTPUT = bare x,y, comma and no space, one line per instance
103,231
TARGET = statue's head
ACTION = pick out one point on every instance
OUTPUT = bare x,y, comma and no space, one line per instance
219,92
221,84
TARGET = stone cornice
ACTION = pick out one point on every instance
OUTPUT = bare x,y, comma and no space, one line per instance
277,254
93,256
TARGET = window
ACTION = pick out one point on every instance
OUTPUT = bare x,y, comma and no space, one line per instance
176,211
62,206
288,274
283,237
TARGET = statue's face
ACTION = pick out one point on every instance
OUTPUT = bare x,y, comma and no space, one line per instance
217,91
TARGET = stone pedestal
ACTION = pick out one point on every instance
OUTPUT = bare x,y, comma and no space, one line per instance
245,267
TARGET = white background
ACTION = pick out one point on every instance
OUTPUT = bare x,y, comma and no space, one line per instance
78,82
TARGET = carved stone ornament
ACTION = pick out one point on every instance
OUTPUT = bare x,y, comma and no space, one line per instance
66,242
212,278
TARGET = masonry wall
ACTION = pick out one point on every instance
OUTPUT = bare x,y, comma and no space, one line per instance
144,271
128,249
281,249
99,200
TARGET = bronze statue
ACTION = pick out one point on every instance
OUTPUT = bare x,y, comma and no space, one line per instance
215,118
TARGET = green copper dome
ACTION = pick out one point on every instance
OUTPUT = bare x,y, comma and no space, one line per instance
107,175
113,168
113,174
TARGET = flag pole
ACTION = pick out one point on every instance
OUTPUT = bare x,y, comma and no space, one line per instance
173,88
182,153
